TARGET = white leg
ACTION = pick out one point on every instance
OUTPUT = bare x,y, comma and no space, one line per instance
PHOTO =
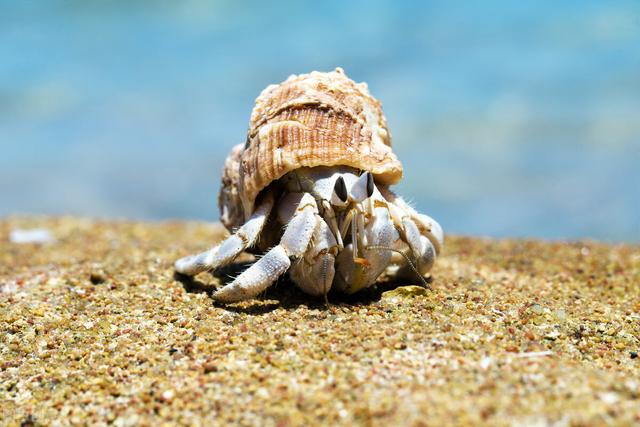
428,226
380,234
315,271
225,252
421,248
421,233
267,269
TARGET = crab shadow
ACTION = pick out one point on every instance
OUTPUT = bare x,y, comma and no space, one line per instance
283,294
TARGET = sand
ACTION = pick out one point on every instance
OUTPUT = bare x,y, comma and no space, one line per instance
95,329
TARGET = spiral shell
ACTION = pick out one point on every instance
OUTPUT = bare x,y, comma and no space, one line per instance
315,119
229,201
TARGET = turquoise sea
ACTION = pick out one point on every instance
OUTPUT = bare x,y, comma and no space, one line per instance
511,118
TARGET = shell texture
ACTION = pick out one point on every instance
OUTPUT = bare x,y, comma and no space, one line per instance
309,120
231,212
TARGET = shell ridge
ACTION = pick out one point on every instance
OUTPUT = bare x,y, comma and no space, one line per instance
309,120
301,103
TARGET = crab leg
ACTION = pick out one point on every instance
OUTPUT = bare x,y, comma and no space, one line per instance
381,235
267,269
421,247
431,229
314,273
422,234
428,226
231,247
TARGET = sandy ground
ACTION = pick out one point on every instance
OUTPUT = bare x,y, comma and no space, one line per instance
95,329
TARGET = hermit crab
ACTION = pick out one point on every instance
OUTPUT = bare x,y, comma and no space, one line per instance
311,188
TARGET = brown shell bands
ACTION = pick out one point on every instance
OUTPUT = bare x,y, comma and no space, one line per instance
315,119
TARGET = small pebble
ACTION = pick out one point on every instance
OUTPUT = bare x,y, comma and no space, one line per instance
168,395
97,277
406,291
210,367
33,235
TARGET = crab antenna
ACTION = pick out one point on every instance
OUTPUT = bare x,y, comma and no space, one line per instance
354,235
370,185
413,267
346,222
325,267
330,217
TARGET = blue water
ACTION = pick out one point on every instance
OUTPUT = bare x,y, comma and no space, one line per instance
510,119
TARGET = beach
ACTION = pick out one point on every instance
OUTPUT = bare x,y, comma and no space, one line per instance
95,328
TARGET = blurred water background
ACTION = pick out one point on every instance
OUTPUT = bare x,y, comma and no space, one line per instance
511,118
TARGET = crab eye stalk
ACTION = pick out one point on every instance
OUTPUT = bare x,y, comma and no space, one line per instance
369,184
363,188
340,190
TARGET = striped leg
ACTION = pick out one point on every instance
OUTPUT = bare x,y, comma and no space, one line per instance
267,269
315,271
421,247
222,254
